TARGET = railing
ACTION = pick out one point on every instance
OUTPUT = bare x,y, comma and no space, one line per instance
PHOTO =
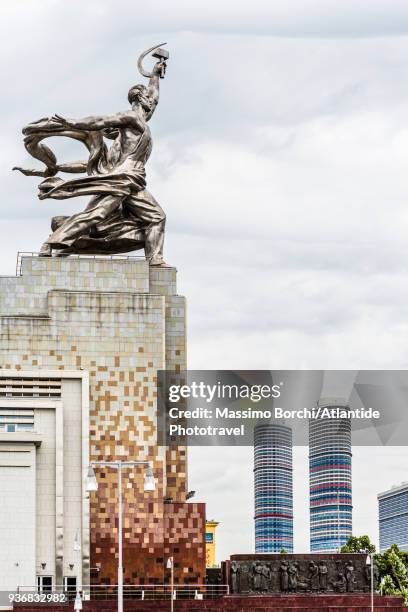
22,254
144,592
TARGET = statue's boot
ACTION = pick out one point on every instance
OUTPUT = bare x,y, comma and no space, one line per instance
159,263
46,250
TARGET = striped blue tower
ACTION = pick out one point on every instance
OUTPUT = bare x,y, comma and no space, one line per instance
330,480
273,488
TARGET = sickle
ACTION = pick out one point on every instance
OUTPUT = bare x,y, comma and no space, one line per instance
141,58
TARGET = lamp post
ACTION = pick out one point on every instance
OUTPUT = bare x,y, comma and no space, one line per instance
78,560
170,565
92,485
370,562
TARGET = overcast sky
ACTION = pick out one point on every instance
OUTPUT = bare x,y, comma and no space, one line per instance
280,156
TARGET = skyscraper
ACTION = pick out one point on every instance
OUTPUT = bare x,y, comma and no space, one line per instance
273,488
393,517
330,480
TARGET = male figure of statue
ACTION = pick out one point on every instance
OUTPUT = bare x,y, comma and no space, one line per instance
115,176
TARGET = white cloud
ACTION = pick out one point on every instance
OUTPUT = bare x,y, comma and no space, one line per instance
297,18
280,156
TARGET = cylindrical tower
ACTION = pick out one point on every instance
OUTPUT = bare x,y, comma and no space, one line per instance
330,479
273,488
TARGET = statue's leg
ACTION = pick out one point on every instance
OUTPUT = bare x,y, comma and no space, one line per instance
144,207
56,222
46,250
97,210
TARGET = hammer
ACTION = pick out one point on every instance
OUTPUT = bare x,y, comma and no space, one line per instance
162,55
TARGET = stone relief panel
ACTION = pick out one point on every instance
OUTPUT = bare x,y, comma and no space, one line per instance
336,573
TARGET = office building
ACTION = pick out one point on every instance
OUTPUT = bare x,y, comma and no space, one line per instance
330,484
273,488
393,517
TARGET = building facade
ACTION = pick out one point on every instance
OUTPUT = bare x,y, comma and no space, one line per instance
393,517
210,543
330,485
44,450
273,474
116,321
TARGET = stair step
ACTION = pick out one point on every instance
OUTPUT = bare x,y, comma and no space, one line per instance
275,603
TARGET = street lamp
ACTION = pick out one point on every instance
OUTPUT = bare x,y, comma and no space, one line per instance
370,562
77,603
149,483
77,551
91,482
92,485
170,566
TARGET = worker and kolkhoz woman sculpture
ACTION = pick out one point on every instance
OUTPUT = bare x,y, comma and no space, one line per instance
122,215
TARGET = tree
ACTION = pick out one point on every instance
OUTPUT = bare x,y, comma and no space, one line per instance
394,572
358,544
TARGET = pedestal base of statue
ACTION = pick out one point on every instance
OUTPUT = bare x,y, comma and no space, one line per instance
302,603
117,321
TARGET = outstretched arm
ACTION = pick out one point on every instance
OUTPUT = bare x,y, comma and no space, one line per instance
99,122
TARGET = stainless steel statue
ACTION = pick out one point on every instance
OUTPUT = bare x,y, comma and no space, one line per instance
122,215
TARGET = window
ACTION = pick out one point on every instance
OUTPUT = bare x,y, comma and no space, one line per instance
13,427
70,584
16,419
44,584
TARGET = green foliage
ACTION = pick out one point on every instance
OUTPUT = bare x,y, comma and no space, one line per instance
283,551
392,565
394,573
387,587
358,544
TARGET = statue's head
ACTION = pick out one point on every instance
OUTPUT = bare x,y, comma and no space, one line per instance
137,95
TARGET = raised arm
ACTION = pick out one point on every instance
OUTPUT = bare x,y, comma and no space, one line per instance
153,89
100,122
